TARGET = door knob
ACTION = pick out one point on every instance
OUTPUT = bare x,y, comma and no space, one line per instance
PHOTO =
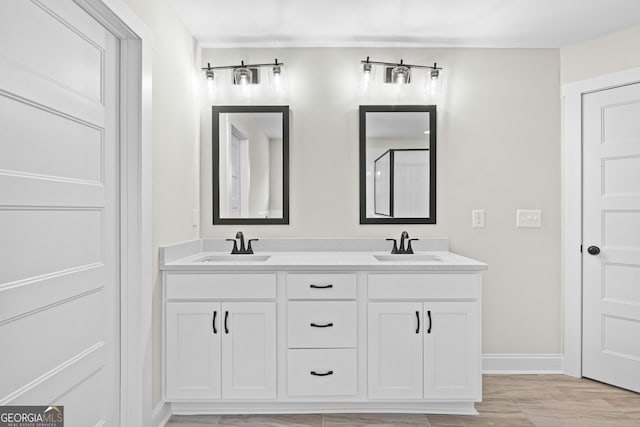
593,250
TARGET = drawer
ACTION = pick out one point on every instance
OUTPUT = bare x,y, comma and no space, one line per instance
221,286
321,286
322,372
321,324
424,286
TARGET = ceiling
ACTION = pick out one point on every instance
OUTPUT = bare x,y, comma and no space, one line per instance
410,23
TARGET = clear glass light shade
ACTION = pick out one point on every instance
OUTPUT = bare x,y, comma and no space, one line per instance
434,82
210,75
277,75
367,74
400,74
242,76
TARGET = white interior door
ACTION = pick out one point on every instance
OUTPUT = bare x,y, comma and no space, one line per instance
59,281
611,236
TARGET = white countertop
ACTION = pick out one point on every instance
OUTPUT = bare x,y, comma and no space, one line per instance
326,260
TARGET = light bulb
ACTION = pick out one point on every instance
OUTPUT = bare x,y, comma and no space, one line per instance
400,74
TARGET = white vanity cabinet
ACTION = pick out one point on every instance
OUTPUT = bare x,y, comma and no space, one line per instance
219,349
322,332
428,345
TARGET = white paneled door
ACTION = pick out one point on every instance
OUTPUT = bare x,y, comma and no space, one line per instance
59,274
611,236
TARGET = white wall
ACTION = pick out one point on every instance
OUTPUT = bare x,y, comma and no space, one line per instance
607,54
498,150
175,144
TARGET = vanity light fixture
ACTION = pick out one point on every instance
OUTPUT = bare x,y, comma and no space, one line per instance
245,74
401,73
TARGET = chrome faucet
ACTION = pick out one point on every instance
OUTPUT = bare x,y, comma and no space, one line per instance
242,251
402,250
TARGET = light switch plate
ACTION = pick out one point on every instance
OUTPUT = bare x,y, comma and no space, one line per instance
528,218
477,218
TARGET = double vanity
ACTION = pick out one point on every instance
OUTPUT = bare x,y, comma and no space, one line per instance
320,325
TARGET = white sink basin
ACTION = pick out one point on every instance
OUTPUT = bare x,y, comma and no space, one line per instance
408,258
234,258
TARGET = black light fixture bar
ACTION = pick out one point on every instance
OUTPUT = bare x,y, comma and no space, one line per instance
395,64
243,65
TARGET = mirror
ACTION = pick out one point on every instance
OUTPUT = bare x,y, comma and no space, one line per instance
397,164
250,164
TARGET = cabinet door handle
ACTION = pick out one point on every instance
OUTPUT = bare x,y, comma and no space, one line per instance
213,322
418,319
317,325
429,317
226,318
312,286
321,374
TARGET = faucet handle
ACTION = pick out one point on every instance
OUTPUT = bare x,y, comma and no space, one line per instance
395,246
409,248
249,249
235,245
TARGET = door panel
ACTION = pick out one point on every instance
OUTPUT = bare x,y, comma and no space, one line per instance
611,221
59,208
249,350
395,350
193,350
451,350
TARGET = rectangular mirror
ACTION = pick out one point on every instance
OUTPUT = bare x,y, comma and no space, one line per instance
250,164
398,164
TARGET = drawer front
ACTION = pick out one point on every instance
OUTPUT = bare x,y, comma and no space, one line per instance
424,286
322,372
321,324
221,286
321,286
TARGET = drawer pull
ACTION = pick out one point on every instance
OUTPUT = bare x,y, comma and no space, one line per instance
325,325
312,286
321,374
226,319
213,322
418,319
429,316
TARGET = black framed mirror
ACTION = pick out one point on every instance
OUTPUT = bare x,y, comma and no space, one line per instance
250,164
398,164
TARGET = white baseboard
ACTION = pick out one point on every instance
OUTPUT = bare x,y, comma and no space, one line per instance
161,414
522,364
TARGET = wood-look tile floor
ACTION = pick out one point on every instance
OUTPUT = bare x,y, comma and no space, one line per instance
508,401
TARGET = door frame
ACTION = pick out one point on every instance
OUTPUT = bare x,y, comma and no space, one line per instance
135,206
572,208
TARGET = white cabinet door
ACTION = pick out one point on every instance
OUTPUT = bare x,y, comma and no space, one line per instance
451,350
395,350
249,350
193,350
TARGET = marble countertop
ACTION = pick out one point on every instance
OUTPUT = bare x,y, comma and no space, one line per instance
333,260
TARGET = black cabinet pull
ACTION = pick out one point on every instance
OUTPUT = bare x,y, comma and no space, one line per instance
321,374
593,250
429,316
418,319
312,286
316,325
226,318
213,322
